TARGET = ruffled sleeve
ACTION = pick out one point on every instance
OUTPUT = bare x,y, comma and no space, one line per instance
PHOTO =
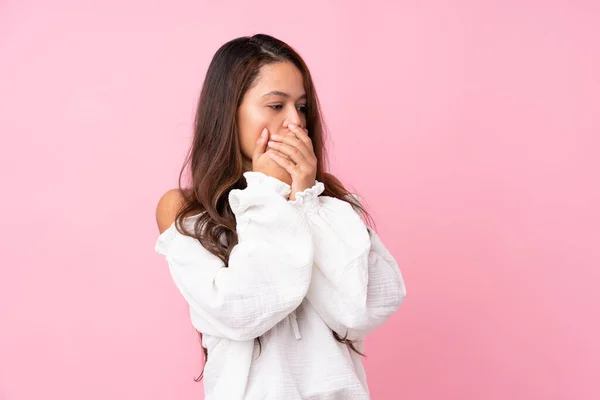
268,273
357,284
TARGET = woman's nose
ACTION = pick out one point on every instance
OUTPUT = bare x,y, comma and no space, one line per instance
293,119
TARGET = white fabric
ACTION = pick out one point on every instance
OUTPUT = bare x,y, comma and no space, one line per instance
300,269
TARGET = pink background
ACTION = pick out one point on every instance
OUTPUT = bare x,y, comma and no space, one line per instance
470,128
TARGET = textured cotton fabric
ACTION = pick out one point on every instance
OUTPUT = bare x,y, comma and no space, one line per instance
301,269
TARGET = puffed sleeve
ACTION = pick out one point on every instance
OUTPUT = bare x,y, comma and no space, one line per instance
268,273
357,284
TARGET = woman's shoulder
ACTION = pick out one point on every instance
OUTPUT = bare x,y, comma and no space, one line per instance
167,209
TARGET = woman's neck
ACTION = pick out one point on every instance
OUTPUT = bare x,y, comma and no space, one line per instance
247,164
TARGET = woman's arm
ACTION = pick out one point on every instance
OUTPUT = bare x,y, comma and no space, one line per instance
269,270
356,285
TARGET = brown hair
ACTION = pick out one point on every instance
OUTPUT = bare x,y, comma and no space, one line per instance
215,157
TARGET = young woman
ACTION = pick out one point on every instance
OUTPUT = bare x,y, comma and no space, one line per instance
283,278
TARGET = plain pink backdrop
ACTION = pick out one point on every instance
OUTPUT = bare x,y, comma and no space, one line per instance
471,129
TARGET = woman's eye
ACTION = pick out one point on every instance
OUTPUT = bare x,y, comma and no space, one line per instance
280,106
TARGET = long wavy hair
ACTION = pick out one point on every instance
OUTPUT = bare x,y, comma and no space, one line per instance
214,161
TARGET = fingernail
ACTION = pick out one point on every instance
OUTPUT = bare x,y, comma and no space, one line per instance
271,143
291,126
275,136
264,131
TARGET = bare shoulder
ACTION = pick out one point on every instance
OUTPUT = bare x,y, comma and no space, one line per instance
167,208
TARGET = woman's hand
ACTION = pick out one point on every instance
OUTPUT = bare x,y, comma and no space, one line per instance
261,162
300,163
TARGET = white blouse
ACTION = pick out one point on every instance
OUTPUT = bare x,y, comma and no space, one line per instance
301,269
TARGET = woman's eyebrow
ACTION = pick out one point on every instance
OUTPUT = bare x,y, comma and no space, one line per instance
282,94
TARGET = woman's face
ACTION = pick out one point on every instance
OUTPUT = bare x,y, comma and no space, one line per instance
277,99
